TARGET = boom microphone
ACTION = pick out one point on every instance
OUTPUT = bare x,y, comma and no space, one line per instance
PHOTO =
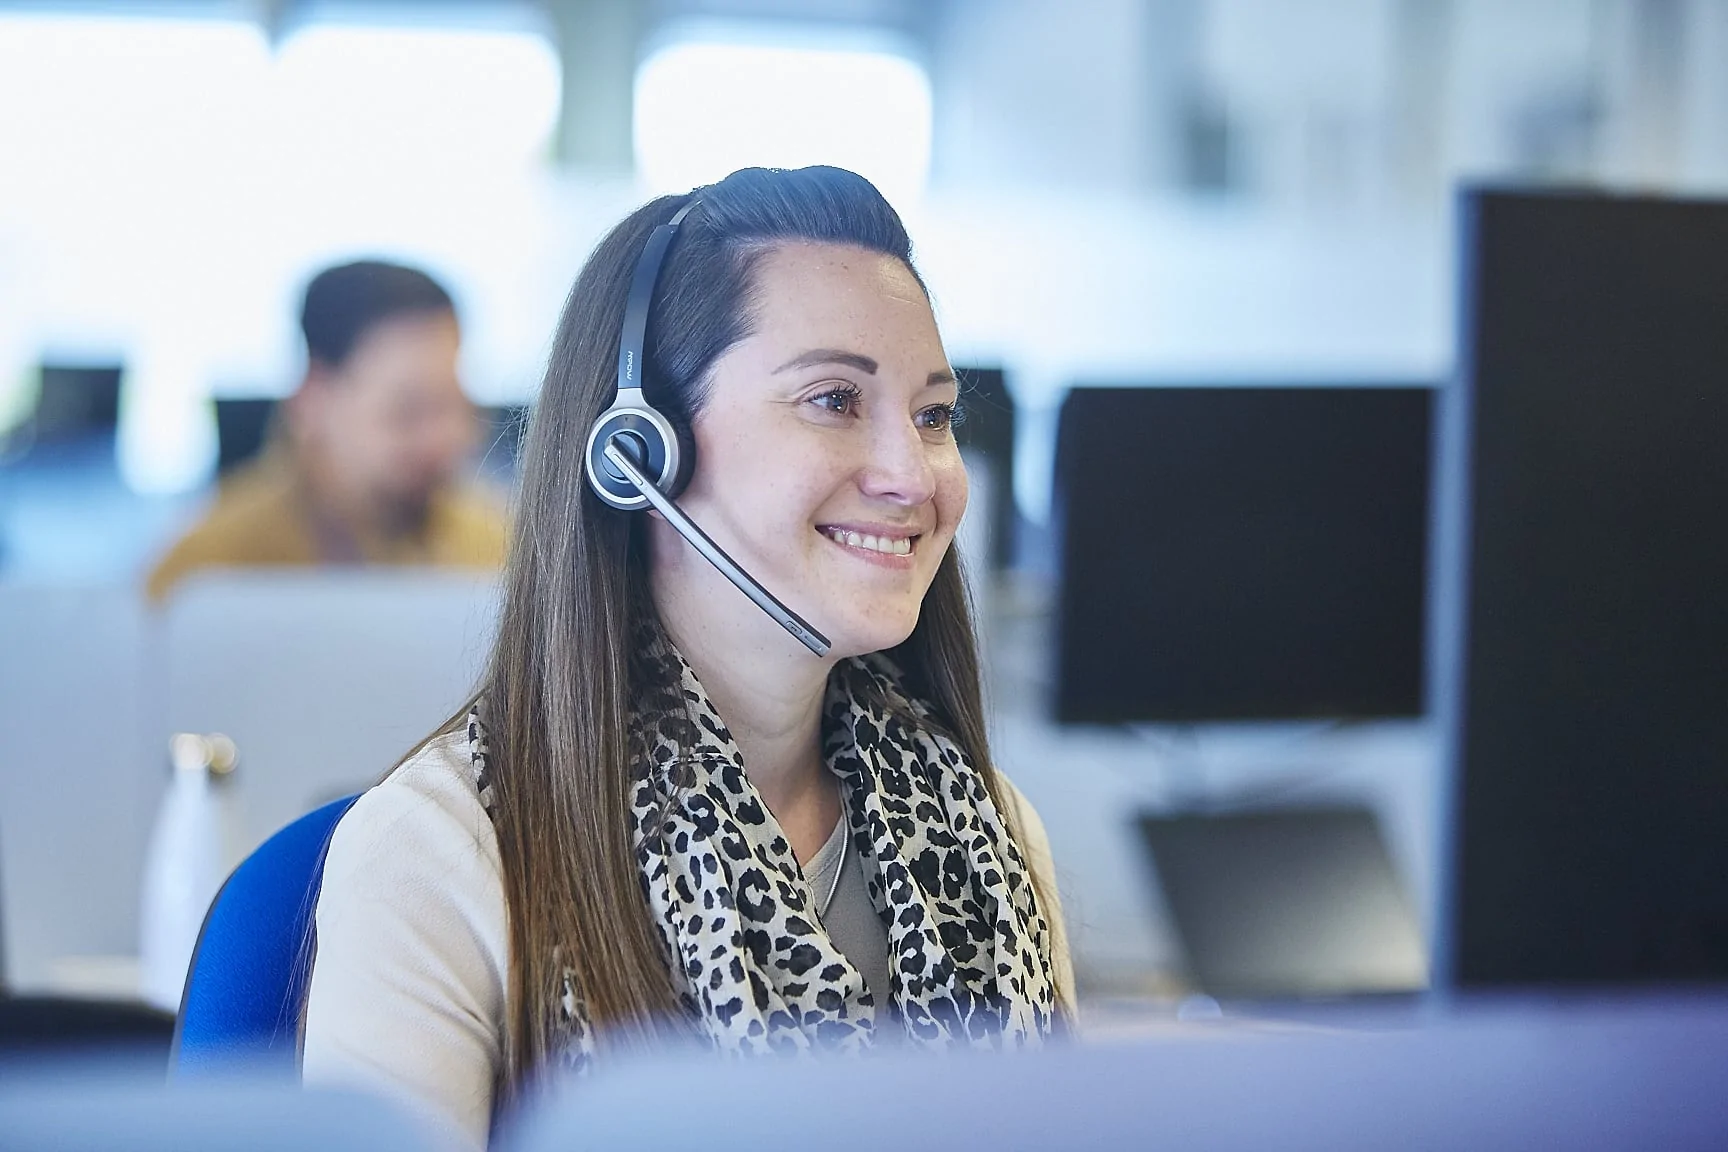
619,452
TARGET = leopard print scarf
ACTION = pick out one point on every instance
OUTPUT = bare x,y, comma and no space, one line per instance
969,948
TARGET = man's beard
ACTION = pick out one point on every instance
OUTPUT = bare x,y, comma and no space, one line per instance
406,514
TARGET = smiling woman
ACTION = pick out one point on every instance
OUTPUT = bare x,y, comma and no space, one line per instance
825,450
663,818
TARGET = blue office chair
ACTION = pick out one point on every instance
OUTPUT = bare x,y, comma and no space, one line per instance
250,968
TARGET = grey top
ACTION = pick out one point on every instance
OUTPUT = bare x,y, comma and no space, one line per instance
850,917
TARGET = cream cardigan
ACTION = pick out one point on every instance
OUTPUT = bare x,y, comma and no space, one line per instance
409,986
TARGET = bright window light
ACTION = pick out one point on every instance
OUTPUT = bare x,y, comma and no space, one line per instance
167,184
707,107
120,141
386,94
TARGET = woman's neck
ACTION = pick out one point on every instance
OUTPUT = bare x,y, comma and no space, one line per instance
769,694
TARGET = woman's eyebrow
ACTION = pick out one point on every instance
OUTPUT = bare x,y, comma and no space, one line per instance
856,360
829,356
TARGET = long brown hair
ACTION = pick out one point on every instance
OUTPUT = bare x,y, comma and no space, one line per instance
561,679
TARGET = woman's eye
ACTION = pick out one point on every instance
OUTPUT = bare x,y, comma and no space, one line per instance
840,401
937,418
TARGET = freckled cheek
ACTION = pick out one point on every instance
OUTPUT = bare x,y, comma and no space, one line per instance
795,488
743,468
952,491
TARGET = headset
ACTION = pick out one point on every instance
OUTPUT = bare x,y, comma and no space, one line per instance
636,458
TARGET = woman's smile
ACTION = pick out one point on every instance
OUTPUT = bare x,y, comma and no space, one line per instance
882,545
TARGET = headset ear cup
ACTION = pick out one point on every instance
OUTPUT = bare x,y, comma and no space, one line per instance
657,448
661,451
686,457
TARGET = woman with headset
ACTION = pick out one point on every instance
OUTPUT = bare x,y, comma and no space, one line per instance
668,814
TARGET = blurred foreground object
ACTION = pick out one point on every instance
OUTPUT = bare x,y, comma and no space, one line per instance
96,1108
1502,1075
364,469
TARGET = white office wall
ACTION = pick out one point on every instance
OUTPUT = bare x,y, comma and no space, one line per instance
1033,94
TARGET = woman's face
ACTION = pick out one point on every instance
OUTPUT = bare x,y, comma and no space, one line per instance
825,461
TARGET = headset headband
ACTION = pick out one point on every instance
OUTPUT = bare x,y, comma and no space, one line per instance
635,331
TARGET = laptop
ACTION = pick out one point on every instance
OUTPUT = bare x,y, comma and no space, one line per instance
1286,904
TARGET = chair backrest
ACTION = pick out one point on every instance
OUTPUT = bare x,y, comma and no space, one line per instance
253,959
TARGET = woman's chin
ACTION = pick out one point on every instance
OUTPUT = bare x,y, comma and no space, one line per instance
856,632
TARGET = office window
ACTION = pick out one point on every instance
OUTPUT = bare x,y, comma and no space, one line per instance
170,182
710,102
429,97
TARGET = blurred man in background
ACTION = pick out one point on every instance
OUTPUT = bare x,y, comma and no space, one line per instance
363,467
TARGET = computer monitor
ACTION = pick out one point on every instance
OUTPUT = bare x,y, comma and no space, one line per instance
242,426
1284,904
1242,553
986,429
1590,716
77,402
370,659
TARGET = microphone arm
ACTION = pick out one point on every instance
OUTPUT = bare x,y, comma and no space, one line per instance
619,457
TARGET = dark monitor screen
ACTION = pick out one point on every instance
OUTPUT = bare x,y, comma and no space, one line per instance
1293,903
1593,752
242,426
987,429
1242,553
78,402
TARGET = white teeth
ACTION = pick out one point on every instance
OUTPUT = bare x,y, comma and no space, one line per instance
890,545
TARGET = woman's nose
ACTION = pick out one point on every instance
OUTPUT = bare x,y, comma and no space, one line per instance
899,466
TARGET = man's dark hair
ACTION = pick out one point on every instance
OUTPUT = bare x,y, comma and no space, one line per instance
345,302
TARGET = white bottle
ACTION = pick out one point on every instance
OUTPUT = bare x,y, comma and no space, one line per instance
185,866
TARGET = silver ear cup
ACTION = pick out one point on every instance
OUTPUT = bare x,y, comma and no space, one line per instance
648,438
